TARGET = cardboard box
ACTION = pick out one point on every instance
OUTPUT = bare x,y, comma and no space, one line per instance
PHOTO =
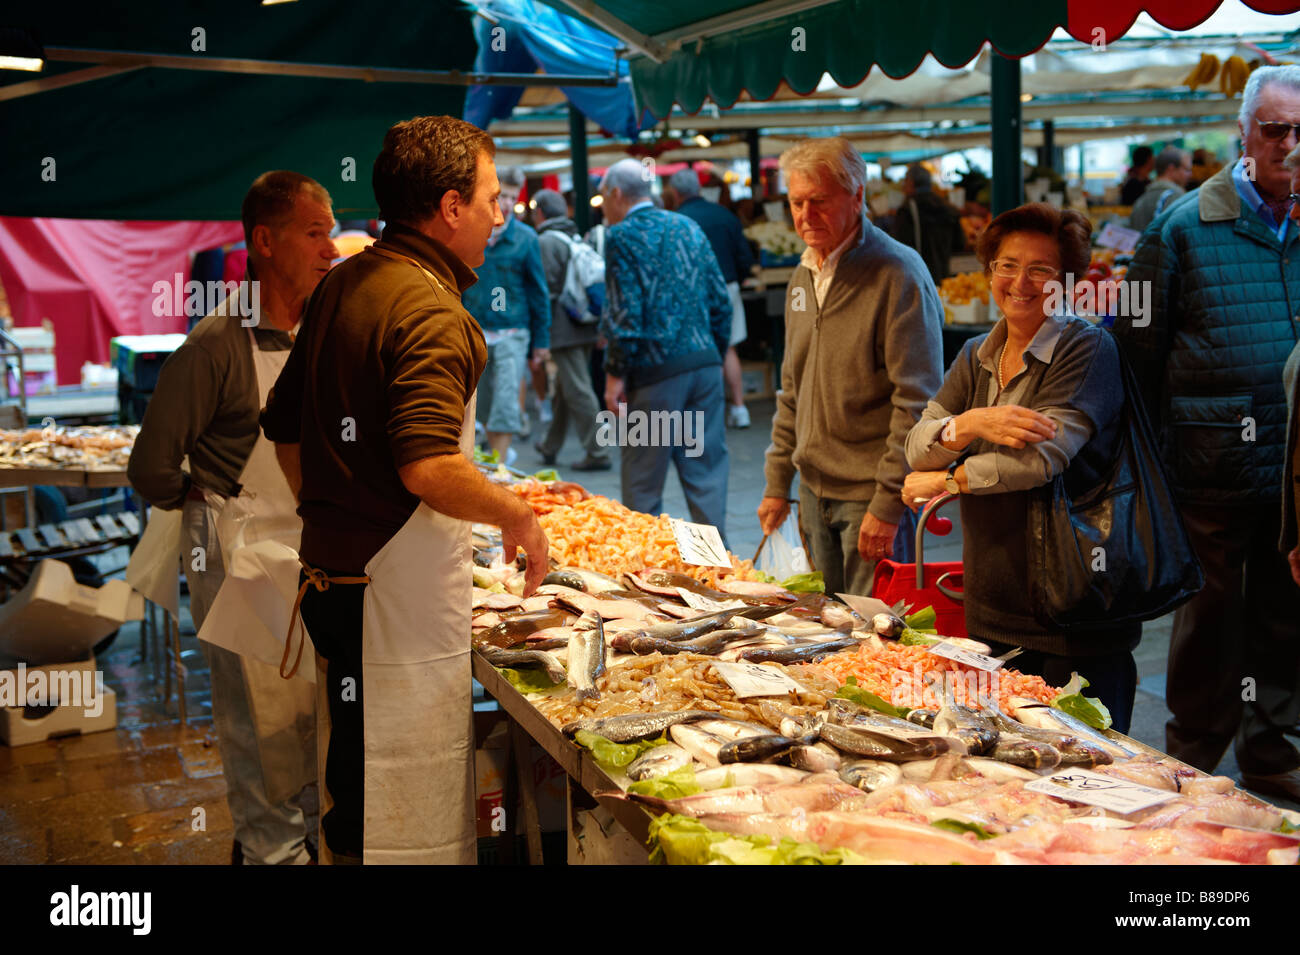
91,707
491,732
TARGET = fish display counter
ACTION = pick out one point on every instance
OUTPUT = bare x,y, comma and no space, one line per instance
723,718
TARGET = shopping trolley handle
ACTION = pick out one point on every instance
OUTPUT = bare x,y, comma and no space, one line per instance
943,526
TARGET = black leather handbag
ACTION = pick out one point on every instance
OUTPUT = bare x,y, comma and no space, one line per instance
1118,553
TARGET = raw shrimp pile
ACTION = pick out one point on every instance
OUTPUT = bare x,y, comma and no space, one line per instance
684,681
602,535
885,668
546,496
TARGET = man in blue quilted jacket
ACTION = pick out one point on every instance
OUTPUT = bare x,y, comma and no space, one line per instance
1223,265
667,319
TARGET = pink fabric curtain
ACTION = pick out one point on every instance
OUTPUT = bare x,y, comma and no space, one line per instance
94,279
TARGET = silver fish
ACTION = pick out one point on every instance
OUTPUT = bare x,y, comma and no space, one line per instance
586,656
817,758
1041,716
519,658
1029,753
701,745
755,749
922,717
870,774
588,581
747,774
862,741
634,726
658,762
978,732
808,653
732,729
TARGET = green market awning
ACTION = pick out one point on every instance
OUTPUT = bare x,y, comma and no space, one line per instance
155,143
687,51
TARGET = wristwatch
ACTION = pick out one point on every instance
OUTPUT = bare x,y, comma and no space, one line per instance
950,479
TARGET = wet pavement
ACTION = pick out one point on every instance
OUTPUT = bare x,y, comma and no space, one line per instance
151,791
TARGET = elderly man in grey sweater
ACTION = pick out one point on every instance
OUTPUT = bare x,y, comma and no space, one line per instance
863,355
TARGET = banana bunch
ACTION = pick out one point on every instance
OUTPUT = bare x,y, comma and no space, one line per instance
1233,78
1203,72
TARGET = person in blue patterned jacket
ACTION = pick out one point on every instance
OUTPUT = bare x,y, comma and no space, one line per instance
667,320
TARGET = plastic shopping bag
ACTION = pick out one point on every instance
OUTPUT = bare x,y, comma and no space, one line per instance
782,554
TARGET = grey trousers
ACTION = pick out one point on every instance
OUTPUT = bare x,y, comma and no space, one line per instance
1238,638
831,529
697,448
269,833
574,401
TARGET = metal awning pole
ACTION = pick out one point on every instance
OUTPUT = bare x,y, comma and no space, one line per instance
1008,173
581,177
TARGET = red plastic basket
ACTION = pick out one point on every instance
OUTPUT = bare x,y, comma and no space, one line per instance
925,585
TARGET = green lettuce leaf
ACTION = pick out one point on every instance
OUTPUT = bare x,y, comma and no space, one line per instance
529,679
958,826
1287,826
765,578
809,583
922,620
914,638
615,755
485,457
683,840
547,474
1087,708
851,691
674,785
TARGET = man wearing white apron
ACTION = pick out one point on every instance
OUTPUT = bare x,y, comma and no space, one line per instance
205,406
373,422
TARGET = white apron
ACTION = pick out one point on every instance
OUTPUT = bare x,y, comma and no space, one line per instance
416,687
265,514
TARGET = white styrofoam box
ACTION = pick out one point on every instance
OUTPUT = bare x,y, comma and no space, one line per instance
38,362
54,618
33,338
18,728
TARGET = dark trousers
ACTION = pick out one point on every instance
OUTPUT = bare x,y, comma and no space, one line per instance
1234,658
1112,677
334,620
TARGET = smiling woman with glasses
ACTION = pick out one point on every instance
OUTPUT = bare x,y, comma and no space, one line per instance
1039,395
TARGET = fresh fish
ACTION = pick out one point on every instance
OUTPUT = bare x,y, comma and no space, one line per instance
873,745
1029,753
634,726
483,620
518,658
515,629
701,745
608,609
997,771
535,603
837,615
1041,716
658,762
732,729
856,716
715,642
755,749
1082,753
634,641
870,774
486,600
1073,750
817,758
587,581
888,625
978,732
688,629
808,653
747,774
666,582
586,660
754,588
922,717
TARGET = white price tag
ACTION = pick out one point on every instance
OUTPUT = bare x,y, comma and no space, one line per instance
700,602
750,679
865,607
967,658
1095,789
1117,237
700,544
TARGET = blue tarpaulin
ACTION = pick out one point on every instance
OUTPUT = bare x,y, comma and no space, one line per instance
522,36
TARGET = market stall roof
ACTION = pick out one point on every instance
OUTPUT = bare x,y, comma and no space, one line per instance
692,50
184,143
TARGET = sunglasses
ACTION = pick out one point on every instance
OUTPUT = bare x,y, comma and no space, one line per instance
1276,132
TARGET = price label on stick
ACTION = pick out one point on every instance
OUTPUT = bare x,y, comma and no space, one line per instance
750,679
700,544
1096,789
1118,238
967,658
700,602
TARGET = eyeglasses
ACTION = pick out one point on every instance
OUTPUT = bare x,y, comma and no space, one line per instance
1276,132
1007,269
